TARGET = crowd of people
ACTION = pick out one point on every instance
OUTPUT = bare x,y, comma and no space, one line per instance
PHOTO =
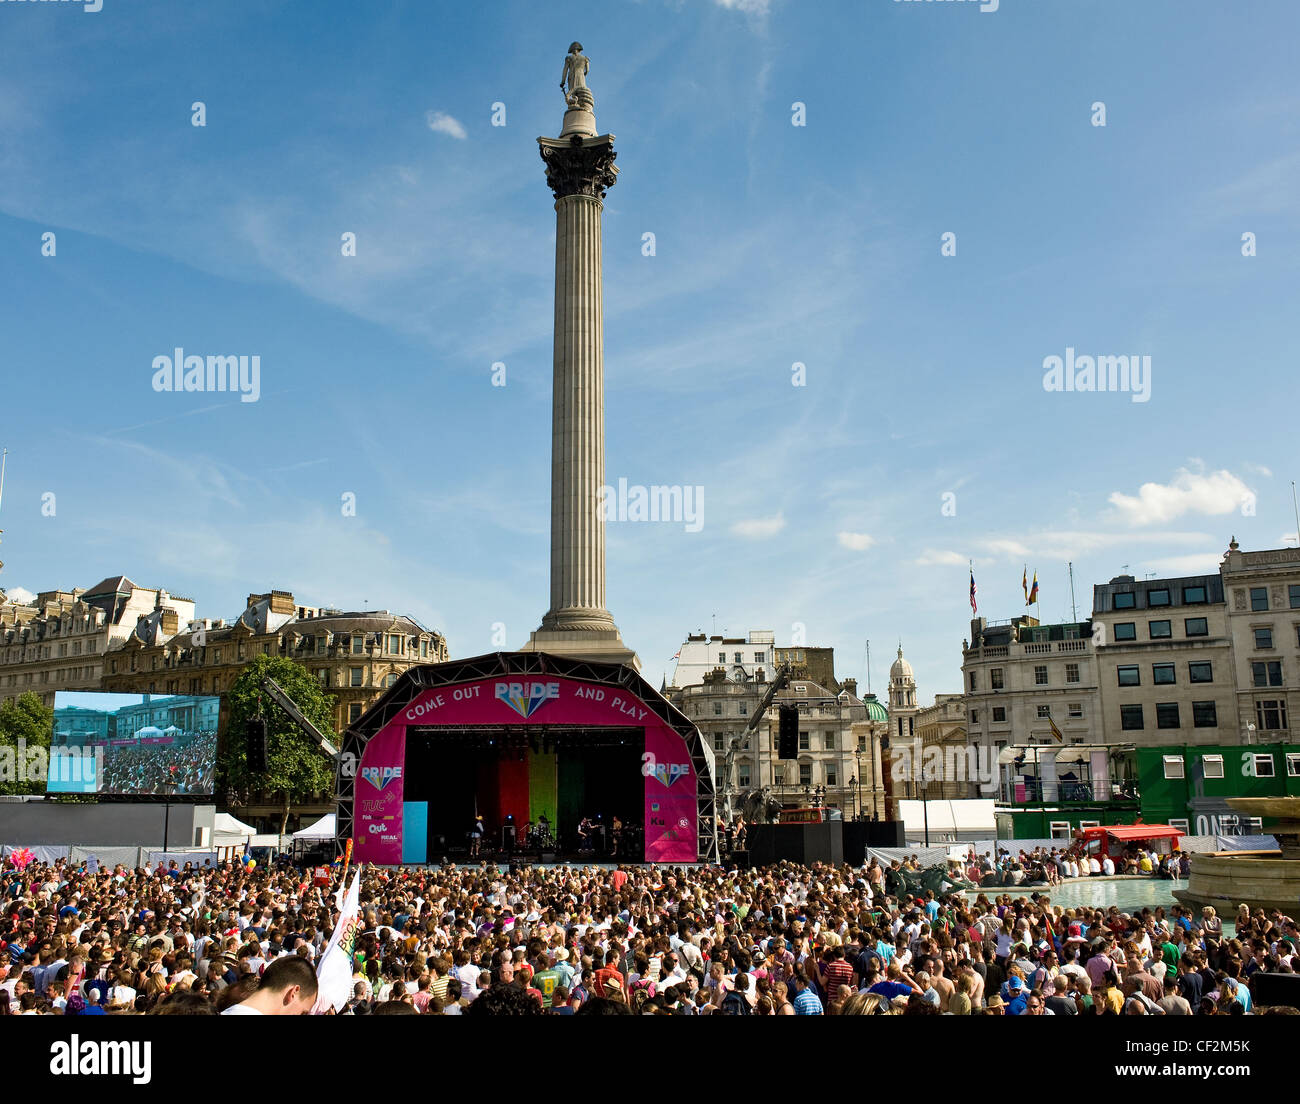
184,767
478,940
1051,866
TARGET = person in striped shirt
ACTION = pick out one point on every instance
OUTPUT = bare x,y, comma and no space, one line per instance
806,1002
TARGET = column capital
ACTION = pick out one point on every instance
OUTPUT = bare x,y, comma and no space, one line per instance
579,166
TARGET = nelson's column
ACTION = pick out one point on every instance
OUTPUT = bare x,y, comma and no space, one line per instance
579,169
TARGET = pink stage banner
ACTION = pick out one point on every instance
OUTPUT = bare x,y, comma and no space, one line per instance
669,778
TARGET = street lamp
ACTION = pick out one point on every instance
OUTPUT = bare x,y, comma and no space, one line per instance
856,786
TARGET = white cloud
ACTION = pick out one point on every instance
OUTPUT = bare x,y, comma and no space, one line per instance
444,124
934,558
857,542
20,596
1290,538
749,7
1009,548
1197,563
1259,469
759,528
1218,493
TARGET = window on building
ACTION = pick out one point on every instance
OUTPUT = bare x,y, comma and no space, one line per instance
424,649
830,741
1263,765
719,742
1266,673
742,774
323,676
1258,598
1293,594
354,712
1205,715
216,655
974,716
1196,626
1212,765
1040,675
739,657
832,776
1125,630
805,743
1075,709
1158,597
354,676
1130,717
995,678
1174,767
717,709
1270,714
358,645
392,678
1060,829
1194,596
1181,824
1293,764
1162,674
1044,711
973,680
1159,630
1167,715
1200,672
1125,600
742,709
1129,675
758,657
1263,639
1071,672
805,774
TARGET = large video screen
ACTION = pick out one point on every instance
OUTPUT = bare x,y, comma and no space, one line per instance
144,745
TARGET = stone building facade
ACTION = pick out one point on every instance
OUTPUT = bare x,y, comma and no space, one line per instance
58,640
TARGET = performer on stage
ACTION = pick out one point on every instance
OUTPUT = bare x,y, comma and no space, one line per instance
476,835
618,835
585,832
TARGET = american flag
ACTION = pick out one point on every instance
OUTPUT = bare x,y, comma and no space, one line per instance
973,607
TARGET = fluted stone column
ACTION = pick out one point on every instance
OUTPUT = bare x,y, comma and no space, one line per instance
579,169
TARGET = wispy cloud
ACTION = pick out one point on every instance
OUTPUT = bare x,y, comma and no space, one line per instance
442,123
856,542
935,558
759,528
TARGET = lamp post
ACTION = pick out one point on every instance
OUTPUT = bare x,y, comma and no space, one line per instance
856,786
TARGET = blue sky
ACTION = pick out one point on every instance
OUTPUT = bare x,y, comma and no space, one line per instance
775,244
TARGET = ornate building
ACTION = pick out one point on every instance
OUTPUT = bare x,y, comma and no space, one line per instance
58,640
355,656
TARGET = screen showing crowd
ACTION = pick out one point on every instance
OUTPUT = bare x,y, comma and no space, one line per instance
133,744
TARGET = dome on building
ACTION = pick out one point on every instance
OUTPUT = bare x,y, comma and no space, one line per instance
875,709
901,671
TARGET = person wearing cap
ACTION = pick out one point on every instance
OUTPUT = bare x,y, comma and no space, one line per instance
1017,996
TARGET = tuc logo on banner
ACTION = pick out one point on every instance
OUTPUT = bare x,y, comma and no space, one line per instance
526,698
379,777
666,773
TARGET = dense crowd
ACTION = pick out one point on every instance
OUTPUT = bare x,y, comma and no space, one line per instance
782,940
185,767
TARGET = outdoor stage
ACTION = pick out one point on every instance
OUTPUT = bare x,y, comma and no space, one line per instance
517,736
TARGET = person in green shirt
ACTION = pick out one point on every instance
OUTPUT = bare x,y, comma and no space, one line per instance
1170,954
545,982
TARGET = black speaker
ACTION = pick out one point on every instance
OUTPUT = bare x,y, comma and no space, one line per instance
787,739
255,735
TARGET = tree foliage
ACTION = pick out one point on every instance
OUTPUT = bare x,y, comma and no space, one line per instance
296,765
29,719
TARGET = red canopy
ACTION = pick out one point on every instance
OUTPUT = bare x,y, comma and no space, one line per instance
1143,831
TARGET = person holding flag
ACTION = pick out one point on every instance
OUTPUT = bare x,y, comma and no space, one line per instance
334,974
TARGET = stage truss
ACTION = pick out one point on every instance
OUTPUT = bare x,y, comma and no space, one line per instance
417,680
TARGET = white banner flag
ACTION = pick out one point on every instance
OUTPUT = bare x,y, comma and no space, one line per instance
334,974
